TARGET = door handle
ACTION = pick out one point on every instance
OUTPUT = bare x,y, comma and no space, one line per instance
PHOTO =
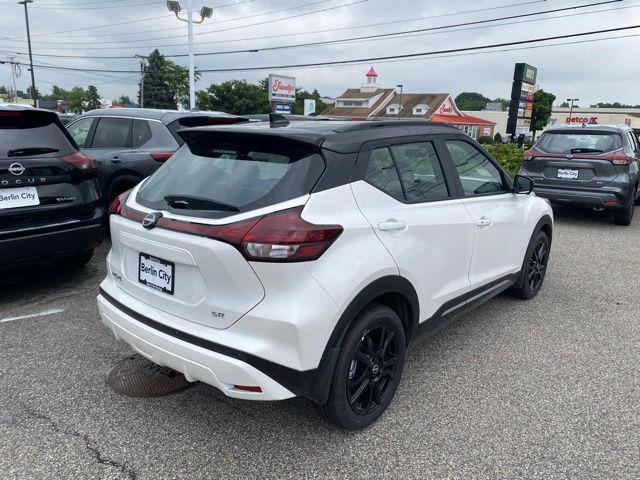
116,159
484,222
391,224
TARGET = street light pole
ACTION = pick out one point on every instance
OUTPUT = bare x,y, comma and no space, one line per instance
571,107
400,86
205,12
33,79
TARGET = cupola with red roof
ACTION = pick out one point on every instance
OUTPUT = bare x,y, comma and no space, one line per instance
370,85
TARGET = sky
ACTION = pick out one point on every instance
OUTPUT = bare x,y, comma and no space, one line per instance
606,70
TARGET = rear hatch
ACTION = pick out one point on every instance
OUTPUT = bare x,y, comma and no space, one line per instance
578,158
210,194
44,179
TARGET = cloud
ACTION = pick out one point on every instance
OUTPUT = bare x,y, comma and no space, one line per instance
601,71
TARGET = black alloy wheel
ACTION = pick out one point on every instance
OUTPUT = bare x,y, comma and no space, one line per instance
368,369
537,266
373,369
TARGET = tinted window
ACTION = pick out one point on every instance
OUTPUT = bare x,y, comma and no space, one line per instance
579,142
381,172
478,175
420,172
112,133
141,133
244,177
80,131
31,135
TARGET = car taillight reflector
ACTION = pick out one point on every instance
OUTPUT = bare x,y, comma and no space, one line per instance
162,156
248,388
621,158
80,160
117,205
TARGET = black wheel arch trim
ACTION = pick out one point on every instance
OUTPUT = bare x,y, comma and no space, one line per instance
545,221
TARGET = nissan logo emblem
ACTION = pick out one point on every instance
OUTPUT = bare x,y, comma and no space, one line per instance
151,220
16,169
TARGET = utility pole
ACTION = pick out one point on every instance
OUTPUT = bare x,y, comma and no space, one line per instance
400,86
16,71
143,68
33,79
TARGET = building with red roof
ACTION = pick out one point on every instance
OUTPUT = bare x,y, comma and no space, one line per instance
371,101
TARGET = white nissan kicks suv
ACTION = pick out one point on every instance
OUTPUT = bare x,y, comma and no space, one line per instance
277,259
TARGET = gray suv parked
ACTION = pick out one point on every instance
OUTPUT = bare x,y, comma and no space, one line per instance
130,144
590,166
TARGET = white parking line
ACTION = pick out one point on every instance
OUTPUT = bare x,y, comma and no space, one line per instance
32,315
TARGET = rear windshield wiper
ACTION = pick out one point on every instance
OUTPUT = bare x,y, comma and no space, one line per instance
586,150
26,152
191,202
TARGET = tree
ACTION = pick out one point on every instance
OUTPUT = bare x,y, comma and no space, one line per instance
76,98
30,92
237,97
165,83
4,91
471,101
542,107
564,105
124,100
92,98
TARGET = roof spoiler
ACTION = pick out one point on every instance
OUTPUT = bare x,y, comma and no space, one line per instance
204,120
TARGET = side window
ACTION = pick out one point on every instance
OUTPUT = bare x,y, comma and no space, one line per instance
478,175
381,173
80,131
141,133
420,172
112,133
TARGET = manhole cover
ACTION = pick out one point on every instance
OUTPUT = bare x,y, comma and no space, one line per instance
135,376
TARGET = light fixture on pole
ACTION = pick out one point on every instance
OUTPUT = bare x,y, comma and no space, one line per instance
571,108
205,12
33,78
400,86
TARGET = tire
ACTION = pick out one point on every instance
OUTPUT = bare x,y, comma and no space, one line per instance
78,260
362,386
534,267
625,217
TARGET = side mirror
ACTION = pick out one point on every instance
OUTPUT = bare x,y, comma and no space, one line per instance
522,185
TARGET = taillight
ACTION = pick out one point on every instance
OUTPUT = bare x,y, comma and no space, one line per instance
621,158
116,206
529,154
80,160
277,237
286,237
162,156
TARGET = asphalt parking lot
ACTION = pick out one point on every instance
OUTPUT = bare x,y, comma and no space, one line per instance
541,389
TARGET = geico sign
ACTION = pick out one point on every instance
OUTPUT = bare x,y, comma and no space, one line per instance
278,86
587,120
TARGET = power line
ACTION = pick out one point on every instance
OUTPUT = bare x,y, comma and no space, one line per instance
407,56
420,54
328,9
464,12
414,32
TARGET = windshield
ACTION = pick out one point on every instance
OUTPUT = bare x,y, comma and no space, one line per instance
230,179
579,142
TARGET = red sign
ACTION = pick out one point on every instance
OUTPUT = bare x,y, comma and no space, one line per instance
446,110
587,120
278,86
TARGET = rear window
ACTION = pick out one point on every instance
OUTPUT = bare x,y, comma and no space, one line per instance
225,180
579,142
31,134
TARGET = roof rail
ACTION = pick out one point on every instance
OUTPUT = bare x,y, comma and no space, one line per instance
278,121
368,124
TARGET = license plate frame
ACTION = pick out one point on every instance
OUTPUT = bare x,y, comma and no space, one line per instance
568,173
15,197
154,276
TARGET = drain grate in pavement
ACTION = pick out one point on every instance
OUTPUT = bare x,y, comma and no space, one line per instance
135,376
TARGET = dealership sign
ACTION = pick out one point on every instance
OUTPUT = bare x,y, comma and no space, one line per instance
282,89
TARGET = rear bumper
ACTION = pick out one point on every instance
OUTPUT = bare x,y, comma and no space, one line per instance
584,198
50,242
199,359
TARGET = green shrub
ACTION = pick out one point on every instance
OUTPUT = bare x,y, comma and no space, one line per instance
497,138
508,155
485,140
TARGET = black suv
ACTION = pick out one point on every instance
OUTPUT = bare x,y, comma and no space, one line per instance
50,204
590,166
130,144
